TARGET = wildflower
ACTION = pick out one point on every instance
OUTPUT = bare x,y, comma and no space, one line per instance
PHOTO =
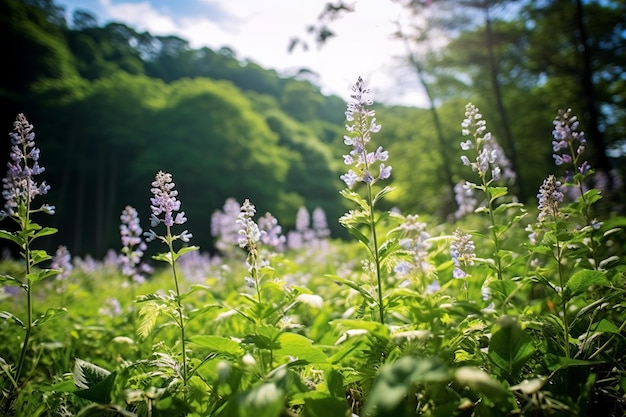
164,206
415,242
462,251
19,185
402,268
271,232
549,197
112,308
224,225
62,260
433,287
568,143
249,233
359,159
133,246
489,154
464,196
320,225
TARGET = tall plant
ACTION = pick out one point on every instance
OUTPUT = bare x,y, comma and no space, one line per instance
362,162
20,188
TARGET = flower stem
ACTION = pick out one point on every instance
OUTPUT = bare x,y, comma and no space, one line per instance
179,308
562,295
381,307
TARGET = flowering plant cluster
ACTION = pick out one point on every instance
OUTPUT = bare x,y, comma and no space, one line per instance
309,326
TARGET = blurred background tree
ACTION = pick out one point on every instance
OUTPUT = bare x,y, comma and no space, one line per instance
111,106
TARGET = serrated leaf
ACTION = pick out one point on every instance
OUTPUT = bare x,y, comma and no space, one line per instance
582,280
101,392
87,375
218,344
355,197
148,315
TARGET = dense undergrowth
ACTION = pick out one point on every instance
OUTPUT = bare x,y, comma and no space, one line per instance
507,310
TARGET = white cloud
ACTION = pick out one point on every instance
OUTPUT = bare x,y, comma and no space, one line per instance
261,31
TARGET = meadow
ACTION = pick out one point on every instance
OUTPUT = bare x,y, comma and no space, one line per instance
507,309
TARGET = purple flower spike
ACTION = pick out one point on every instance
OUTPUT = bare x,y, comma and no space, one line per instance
165,202
19,186
359,159
568,143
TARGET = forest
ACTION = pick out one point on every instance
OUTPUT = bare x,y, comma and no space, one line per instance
113,106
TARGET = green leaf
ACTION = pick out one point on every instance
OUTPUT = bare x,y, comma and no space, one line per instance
292,344
46,231
480,382
9,280
203,310
12,237
50,314
506,206
163,257
95,383
582,280
148,316
556,363
381,194
510,347
10,316
396,380
42,274
87,375
38,256
354,231
355,286
497,192
325,407
374,328
387,248
355,197
264,400
184,250
605,326
218,344
101,392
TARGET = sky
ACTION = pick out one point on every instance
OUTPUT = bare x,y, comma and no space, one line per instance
261,30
